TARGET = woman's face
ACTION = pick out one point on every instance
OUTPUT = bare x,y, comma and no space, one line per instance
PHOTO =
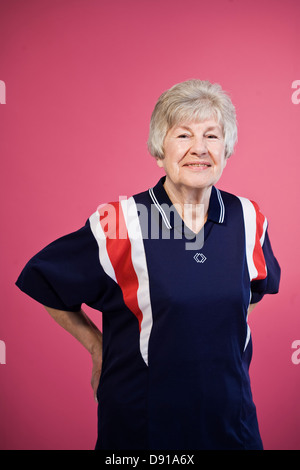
194,154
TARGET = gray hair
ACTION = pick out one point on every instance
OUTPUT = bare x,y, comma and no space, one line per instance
192,100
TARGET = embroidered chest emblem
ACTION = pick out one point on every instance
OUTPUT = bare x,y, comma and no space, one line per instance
199,258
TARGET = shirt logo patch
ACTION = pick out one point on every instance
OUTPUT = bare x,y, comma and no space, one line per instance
199,258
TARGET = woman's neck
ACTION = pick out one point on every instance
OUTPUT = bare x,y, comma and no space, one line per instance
191,203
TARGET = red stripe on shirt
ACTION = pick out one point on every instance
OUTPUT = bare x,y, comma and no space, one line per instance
258,256
119,251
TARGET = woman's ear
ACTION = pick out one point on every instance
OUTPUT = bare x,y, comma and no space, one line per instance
159,162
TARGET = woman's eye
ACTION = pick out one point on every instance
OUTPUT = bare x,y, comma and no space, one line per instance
183,136
212,136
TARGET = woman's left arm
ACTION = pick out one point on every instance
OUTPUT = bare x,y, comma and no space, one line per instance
80,326
251,307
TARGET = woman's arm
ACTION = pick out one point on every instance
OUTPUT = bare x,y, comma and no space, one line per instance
79,325
251,307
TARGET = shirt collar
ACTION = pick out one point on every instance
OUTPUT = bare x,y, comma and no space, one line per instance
216,208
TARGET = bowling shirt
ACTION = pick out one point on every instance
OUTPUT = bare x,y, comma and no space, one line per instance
176,343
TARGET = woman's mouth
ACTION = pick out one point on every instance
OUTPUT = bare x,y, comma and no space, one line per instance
202,166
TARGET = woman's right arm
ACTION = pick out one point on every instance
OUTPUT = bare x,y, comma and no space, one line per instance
79,325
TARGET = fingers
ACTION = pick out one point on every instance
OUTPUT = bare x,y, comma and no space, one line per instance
95,384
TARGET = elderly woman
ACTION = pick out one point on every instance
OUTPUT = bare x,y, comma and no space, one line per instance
175,271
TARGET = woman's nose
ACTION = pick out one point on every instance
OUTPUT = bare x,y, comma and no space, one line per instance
199,146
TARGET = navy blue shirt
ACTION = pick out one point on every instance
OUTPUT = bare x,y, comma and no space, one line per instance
176,343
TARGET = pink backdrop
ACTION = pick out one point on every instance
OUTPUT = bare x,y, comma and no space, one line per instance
82,77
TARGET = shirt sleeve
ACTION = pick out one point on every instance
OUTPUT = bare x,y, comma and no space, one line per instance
267,277
270,283
65,273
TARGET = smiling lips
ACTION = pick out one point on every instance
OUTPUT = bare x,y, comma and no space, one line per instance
197,165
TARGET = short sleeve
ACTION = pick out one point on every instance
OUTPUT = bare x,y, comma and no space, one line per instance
263,268
66,273
268,284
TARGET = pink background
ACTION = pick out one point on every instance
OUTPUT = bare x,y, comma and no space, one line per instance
82,78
